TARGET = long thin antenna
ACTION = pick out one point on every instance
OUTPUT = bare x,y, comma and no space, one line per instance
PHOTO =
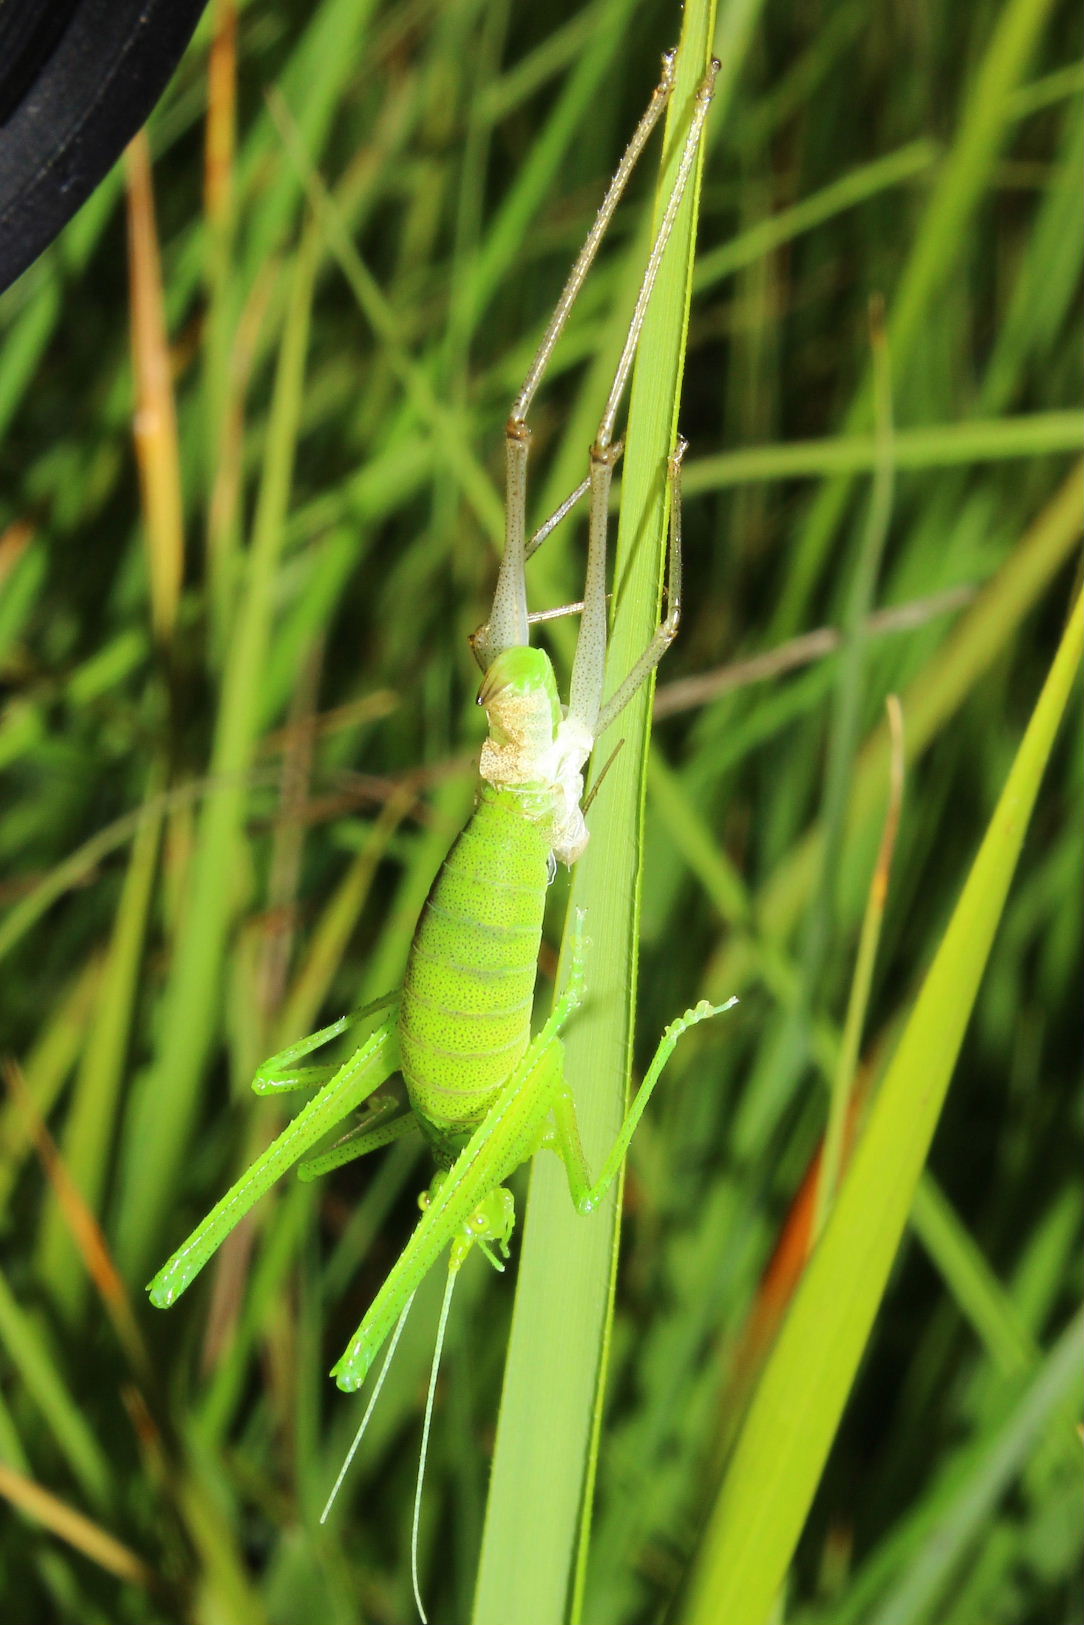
369,1409
449,1288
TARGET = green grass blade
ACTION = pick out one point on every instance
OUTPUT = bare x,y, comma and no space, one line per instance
939,445
778,1461
92,1122
544,1465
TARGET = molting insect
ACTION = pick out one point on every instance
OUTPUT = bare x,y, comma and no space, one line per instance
485,1095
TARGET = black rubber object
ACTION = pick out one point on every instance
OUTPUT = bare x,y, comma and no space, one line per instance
77,80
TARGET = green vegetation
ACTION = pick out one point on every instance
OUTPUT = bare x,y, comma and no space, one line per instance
235,743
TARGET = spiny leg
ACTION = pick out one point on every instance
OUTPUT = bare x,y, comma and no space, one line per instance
585,1194
507,624
589,664
354,1081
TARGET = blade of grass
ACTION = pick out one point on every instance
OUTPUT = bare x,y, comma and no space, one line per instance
549,147
38,1370
155,425
92,1120
82,1533
780,1455
848,192
939,445
544,1466
844,727
843,1097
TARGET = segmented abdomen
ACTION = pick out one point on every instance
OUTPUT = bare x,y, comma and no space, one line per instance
468,991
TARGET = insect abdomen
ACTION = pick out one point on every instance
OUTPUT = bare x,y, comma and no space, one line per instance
468,991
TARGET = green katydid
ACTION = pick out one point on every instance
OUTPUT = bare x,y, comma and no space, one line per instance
484,1093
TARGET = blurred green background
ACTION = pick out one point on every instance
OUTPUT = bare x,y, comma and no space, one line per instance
250,466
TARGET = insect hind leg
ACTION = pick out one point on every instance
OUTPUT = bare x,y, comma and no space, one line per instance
589,664
507,626
357,1079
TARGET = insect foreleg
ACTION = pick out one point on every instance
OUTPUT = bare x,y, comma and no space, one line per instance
354,1081
586,1195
